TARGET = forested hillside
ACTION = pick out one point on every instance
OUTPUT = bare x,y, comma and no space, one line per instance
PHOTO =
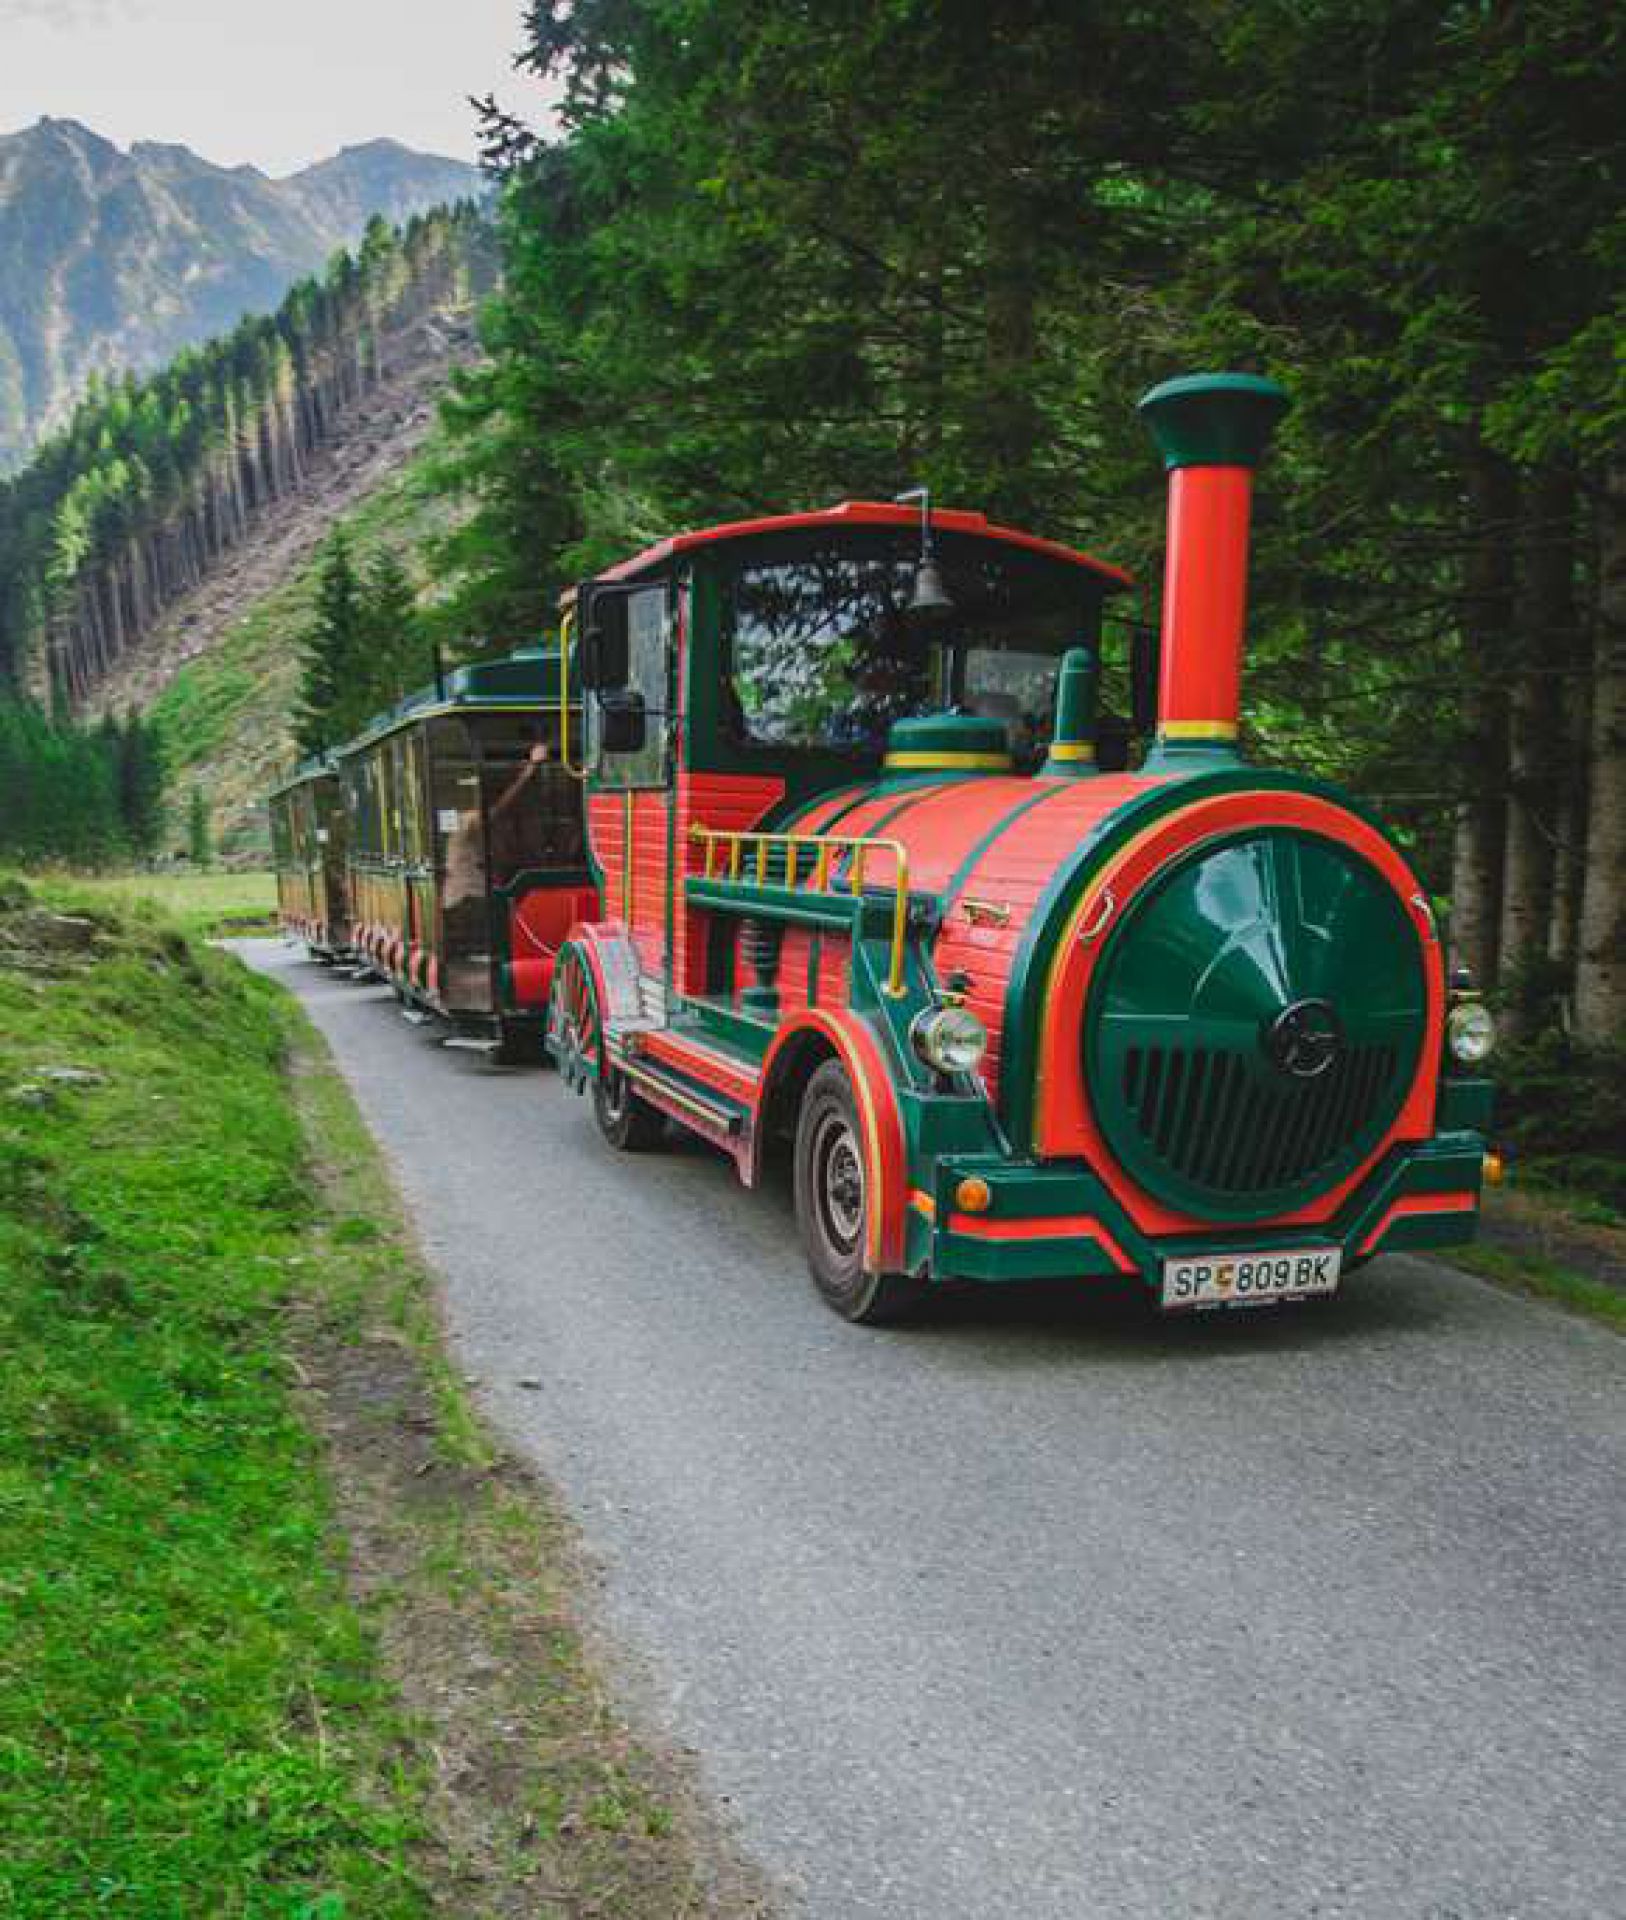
784,254
113,260
155,480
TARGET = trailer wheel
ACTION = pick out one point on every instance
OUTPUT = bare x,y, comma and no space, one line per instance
629,1124
519,1044
833,1204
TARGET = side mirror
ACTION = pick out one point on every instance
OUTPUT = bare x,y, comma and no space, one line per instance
1145,652
605,654
623,725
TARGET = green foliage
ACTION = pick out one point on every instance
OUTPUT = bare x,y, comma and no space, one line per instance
1561,1111
783,255
199,841
395,646
335,663
191,1716
366,645
85,796
141,784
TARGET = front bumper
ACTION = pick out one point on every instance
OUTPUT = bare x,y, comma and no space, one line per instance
1062,1222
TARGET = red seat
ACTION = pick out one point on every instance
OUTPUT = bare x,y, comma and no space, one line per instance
537,926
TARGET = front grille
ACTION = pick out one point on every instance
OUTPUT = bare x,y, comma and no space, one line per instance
1227,1122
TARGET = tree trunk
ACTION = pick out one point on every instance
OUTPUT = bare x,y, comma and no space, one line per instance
1600,968
1545,633
1476,863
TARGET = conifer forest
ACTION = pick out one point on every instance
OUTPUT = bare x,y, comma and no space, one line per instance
770,256
782,255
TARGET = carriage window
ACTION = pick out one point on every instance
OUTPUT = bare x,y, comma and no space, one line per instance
534,817
821,654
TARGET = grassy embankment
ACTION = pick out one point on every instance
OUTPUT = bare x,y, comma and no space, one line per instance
280,1633
225,715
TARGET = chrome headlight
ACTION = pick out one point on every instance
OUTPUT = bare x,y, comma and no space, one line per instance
951,1039
1470,1033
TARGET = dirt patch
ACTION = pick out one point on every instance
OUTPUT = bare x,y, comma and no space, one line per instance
540,1799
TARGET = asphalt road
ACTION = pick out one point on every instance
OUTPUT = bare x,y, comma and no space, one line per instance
1048,1608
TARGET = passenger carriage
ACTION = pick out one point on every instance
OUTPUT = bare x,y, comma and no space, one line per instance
307,850
466,858
867,890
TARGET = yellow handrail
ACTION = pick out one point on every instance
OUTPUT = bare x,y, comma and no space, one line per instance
565,625
764,848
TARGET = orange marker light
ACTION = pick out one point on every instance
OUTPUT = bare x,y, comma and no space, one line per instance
973,1195
1495,1169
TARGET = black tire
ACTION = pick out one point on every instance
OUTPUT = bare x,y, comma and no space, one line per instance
631,1125
832,1206
519,1044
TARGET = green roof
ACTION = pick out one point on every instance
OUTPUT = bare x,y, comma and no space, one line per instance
527,677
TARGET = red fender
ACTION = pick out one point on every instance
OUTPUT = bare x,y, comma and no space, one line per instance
607,952
881,1125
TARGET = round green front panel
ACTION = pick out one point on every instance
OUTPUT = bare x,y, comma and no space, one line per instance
1255,1023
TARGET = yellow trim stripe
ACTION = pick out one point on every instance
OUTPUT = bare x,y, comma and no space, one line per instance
1072,750
1198,730
923,1203
949,762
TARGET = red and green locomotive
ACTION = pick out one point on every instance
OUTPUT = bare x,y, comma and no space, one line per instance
867,890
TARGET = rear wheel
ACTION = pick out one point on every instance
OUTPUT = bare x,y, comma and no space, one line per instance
519,1044
833,1202
629,1124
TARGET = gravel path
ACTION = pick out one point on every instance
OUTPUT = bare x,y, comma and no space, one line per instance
1048,1608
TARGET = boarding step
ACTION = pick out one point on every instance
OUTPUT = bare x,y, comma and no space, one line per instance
470,1043
714,1110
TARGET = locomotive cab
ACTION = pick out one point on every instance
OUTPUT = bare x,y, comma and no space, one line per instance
866,885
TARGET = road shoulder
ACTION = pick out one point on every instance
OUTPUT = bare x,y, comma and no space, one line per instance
539,1790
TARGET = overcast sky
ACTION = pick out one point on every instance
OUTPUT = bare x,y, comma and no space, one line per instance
276,82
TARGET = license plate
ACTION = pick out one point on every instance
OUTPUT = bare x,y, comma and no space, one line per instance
1250,1279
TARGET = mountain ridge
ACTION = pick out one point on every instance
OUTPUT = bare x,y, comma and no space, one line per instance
115,258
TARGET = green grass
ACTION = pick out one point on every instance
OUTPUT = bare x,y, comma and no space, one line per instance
212,902
224,1383
192,1717
1526,1272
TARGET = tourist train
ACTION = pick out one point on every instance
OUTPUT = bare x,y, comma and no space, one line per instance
842,859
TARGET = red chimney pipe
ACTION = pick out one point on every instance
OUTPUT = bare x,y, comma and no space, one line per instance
1212,429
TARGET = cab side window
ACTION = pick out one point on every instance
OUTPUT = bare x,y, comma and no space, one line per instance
648,676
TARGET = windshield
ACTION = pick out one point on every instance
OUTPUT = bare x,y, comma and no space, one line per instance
820,651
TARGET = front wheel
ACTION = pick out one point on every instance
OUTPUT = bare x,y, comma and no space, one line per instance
833,1202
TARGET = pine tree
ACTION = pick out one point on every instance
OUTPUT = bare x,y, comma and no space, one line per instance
334,678
392,631
141,785
199,846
